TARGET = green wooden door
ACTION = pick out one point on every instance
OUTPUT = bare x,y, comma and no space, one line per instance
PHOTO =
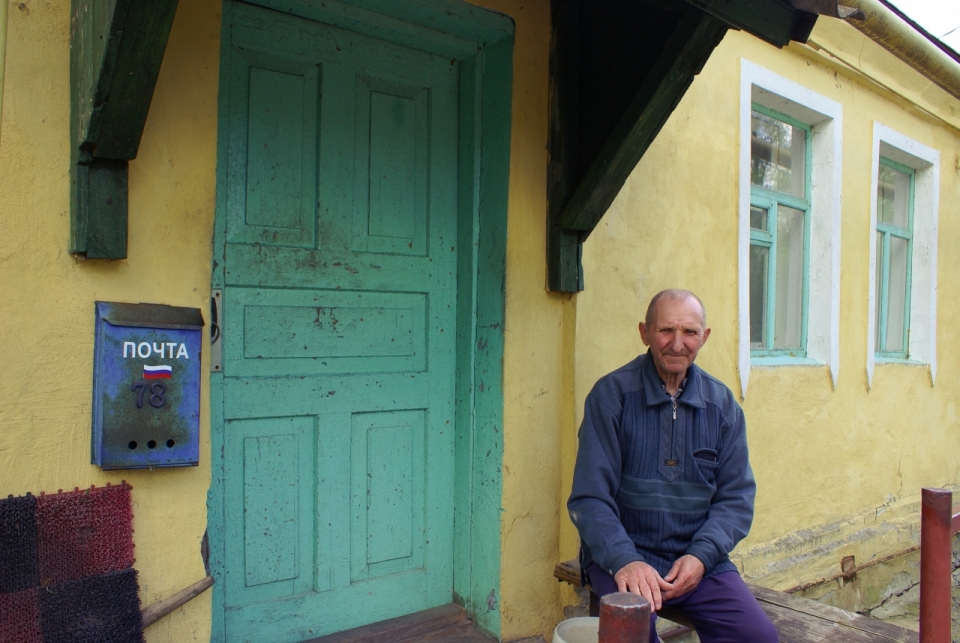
339,298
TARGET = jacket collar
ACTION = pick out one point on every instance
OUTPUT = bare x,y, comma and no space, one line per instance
654,392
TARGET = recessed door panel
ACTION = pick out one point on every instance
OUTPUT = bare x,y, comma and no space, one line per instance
302,332
272,150
387,463
391,167
273,459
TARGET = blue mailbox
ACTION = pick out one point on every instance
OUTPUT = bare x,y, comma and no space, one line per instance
146,386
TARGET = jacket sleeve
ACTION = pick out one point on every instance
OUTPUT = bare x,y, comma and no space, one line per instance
596,479
731,509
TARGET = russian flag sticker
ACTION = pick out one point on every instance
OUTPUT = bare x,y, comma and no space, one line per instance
157,372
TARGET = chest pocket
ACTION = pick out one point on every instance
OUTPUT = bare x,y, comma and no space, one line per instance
706,445
705,461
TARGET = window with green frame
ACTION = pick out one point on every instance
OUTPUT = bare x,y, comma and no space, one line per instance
780,160
895,187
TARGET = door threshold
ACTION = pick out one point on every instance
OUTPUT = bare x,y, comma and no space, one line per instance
444,624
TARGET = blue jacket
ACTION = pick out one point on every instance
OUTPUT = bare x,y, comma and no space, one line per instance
656,479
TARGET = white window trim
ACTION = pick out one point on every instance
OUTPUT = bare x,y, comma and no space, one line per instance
825,119
925,161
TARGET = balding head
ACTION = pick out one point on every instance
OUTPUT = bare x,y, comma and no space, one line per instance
674,293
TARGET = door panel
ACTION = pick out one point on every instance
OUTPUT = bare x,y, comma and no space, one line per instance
388,492
313,332
390,197
273,126
271,544
338,327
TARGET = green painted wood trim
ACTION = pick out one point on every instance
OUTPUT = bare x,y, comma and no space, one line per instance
496,62
564,260
216,521
564,247
684,56
771,199
775,21
887,231
98,225
468,244
455,31
115,54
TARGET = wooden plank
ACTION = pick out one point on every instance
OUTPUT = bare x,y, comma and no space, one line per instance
564,272
98,227
685,54
568,572
775,21
878,630
403,628
119,55
115,53
798,620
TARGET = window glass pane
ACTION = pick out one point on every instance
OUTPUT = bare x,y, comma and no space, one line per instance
778,155
789,305
881,289
758,295
758,218
893,197
896,295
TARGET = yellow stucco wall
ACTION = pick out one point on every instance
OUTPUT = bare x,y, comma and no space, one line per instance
46,296
833,462
46,299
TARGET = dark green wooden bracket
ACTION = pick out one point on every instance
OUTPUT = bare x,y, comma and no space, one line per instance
687,50
116,47
618,70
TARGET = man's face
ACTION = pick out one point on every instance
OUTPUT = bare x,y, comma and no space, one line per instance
675,336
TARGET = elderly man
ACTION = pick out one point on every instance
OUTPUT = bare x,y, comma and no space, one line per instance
662,489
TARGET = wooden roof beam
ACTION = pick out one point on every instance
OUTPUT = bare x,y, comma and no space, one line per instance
115,53
684,56
587,173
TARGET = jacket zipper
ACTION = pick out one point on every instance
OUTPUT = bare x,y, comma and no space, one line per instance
674,400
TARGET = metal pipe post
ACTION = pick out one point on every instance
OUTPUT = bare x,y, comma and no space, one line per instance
624,618
935,565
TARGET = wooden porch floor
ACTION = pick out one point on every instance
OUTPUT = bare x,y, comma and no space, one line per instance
444,624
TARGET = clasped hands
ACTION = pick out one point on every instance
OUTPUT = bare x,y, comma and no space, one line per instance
640,578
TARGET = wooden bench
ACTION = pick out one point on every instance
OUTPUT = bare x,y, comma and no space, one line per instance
798,620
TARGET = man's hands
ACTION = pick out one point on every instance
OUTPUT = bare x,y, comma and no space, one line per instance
640,578
685,575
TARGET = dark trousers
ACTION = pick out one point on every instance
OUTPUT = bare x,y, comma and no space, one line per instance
721,608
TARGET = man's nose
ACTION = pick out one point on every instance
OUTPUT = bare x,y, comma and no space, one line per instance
676,342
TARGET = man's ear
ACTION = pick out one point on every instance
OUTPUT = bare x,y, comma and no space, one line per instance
643,334
706,336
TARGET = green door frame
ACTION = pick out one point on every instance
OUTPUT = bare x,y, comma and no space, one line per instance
482,41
